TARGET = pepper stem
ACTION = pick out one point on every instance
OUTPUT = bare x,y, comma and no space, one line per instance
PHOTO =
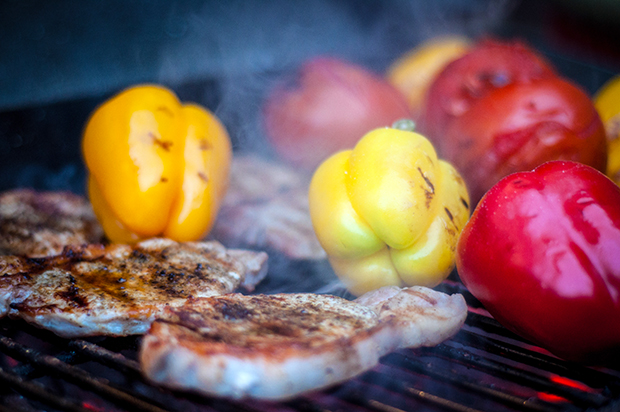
404,124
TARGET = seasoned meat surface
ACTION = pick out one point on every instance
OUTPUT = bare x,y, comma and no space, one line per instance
42,223
266,207
278,346
119,290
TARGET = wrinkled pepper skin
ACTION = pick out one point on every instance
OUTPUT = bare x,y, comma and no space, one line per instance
156,167
388,212
542,253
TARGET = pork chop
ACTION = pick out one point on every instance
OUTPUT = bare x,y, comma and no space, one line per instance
42,223
266,207
119,290
278,346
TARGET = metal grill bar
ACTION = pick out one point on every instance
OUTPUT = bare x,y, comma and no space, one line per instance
368,397
407,388
591,377
516,375
106,357
448,404
74,375
459,380
38,392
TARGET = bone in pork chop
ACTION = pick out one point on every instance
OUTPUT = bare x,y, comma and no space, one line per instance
39,224
266,207
278,346
119,290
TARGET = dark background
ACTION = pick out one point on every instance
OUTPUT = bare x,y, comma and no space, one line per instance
59,60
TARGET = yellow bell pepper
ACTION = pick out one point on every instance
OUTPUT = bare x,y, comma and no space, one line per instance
607,103
156,167
388,212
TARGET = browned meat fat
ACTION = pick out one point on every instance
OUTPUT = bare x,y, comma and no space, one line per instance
266,207
42,223
279,346
119,290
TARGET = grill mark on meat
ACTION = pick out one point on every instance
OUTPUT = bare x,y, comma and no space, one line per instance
424,296
278,346
120,284
253,324
73,297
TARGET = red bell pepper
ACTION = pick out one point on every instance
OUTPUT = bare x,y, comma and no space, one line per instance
542,253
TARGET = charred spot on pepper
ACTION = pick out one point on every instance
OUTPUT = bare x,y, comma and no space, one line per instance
451,231
205,145
203,176
465,203
429,197
429,189
450,216
427,181
430,159
166,110
164,144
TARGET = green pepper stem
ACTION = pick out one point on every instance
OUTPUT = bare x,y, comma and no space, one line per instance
404,124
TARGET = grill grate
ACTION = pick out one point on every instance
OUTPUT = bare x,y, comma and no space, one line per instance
483,368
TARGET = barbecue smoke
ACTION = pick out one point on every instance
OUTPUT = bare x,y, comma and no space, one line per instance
246,47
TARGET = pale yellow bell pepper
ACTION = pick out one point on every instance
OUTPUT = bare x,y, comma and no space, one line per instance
388,212
607,103
156,167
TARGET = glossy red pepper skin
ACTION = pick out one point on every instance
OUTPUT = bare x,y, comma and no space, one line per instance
542,253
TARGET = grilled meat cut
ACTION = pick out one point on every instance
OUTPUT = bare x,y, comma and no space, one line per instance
277,346
42,223
266,207
119,290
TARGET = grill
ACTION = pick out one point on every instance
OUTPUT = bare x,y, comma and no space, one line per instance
483,368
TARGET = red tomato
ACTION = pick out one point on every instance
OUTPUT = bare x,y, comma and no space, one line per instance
521,126
489,65
542,253
329,107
